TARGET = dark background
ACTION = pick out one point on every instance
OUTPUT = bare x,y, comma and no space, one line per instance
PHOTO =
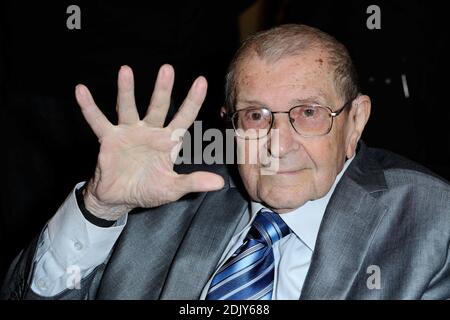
48,146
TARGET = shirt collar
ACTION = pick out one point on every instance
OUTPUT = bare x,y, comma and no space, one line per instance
305,221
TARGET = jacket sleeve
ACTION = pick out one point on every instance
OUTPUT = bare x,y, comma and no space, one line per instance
17,283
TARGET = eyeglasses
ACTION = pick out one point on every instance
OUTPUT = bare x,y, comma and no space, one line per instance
307,120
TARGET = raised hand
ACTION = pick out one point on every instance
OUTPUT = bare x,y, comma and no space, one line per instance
134,165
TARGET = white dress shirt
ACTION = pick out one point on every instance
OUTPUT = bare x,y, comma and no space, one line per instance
71,247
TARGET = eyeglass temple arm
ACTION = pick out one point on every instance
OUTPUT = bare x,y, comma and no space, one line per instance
338,112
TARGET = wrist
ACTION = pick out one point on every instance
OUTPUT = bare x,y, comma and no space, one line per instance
87,214
100,209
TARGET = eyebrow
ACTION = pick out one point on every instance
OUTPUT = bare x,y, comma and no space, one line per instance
310,99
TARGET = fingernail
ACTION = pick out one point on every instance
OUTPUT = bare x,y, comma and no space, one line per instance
199,84
164,70
80,89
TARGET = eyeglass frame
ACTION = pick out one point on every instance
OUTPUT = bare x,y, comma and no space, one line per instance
332,114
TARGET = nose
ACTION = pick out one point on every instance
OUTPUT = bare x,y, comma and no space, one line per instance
282,138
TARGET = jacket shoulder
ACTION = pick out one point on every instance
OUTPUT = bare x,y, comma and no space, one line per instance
400,170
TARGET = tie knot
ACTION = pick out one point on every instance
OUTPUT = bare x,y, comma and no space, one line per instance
268,227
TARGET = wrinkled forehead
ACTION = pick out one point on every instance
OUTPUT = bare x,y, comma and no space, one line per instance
300,77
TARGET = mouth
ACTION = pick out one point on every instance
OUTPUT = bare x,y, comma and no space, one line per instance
287,172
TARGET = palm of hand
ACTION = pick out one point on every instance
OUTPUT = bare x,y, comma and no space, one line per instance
134,166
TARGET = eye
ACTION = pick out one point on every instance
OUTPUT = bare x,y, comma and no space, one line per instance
254,115
309,112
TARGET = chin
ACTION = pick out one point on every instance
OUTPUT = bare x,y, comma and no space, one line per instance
281,200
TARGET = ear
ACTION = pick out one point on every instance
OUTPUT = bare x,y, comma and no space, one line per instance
357,118
223,112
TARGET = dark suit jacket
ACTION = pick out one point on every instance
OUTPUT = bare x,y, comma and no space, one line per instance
385,212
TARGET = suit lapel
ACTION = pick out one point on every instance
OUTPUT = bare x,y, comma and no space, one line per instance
203,245
143,256
350,220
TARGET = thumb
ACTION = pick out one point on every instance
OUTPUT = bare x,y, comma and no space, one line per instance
200,181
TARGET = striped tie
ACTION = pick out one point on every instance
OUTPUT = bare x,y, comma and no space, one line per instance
248,274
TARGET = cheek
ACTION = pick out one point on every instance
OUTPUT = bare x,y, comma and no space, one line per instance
327,157
250,178
251,152
320,151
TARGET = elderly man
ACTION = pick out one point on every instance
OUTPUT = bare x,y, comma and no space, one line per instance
333,219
